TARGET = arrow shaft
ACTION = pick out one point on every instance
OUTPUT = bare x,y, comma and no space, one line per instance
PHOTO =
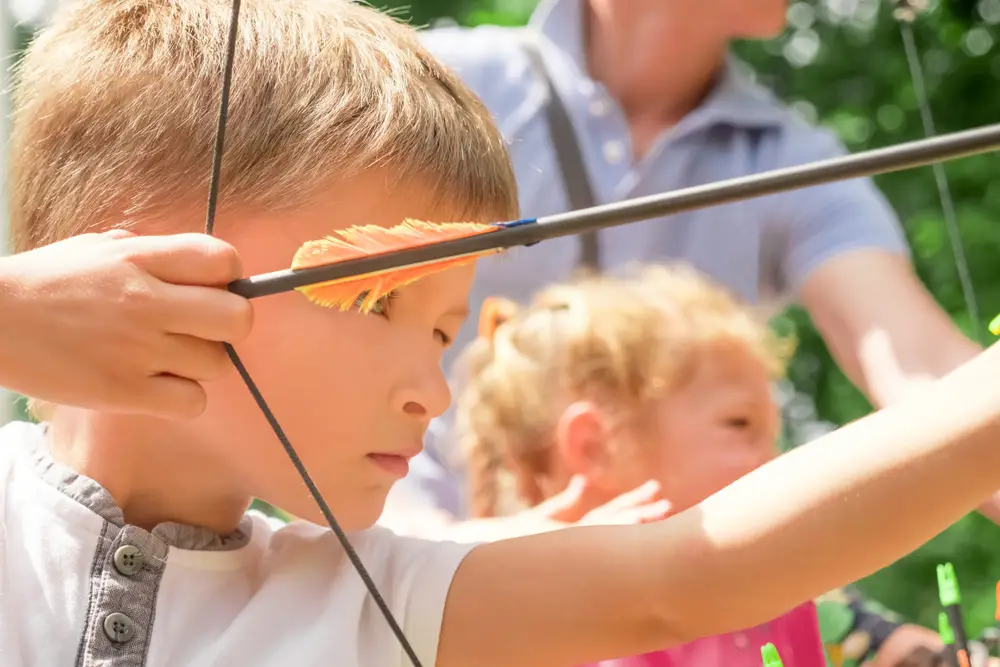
530,231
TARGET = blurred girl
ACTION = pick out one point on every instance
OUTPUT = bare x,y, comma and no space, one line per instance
607,383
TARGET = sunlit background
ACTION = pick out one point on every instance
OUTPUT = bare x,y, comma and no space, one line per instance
840,63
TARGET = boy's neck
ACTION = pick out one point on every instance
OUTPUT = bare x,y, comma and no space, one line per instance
140,462
658,68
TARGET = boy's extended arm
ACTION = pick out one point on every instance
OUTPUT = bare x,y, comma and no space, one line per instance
745,555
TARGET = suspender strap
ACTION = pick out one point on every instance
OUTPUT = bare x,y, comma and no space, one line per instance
574,173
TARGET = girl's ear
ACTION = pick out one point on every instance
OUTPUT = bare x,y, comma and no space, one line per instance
582,442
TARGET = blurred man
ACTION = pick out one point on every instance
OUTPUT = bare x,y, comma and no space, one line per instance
604,100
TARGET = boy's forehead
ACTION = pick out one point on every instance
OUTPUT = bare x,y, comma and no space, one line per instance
268,240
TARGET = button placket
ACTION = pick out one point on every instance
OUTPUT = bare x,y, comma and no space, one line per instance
123,596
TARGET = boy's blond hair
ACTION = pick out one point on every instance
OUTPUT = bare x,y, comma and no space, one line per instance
116,105
616,341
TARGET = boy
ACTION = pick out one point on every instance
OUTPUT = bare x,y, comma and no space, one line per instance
124,539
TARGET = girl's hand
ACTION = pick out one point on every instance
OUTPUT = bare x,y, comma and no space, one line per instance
574,505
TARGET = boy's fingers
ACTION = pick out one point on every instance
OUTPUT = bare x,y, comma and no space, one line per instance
208,313
172,397
196,359
185,259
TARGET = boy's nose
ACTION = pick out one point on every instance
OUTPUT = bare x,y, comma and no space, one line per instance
425,396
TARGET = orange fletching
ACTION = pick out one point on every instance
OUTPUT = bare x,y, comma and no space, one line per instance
367,240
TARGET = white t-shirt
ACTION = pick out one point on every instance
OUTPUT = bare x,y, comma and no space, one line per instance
80,587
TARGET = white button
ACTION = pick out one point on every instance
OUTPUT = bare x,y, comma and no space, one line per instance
614,152
598,107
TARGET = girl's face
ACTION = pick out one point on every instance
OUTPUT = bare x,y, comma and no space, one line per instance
717,427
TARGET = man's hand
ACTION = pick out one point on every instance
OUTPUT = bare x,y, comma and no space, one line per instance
120,322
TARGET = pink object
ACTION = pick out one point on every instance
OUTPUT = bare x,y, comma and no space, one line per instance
796,636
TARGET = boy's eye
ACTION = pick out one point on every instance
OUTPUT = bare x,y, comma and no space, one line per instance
380,307
443,337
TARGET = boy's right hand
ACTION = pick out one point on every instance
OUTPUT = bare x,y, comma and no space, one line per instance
119,322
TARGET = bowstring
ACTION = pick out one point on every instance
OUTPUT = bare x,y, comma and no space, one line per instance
213,198
906,13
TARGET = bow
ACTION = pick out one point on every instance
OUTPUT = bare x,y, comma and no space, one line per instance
906,13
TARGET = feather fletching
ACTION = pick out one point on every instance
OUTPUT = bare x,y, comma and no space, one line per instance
366,240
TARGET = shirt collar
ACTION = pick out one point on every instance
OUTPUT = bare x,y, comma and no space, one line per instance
736,98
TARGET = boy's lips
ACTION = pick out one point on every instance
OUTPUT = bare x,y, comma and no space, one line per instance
395,463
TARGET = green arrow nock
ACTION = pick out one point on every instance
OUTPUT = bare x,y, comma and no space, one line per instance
948,585
995,326
944,630
769,654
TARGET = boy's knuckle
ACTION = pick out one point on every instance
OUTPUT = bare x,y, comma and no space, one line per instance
242,320
220,258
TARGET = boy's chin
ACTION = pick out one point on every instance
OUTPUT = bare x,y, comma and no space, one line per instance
361,515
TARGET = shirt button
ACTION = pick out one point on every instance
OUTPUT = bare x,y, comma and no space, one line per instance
119,628
128,560
598,108
614,152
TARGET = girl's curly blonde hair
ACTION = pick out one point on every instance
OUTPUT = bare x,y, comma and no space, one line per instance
619,342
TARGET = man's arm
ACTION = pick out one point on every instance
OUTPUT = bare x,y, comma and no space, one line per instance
845,257
882,325
884,329
743,556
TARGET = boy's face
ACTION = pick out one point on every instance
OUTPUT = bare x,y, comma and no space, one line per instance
353,392
708,433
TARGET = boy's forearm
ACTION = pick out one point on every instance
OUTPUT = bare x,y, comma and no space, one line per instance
748,554
889,483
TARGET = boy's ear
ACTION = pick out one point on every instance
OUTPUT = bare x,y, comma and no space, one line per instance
582,442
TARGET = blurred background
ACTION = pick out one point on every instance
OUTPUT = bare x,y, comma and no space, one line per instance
840,63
